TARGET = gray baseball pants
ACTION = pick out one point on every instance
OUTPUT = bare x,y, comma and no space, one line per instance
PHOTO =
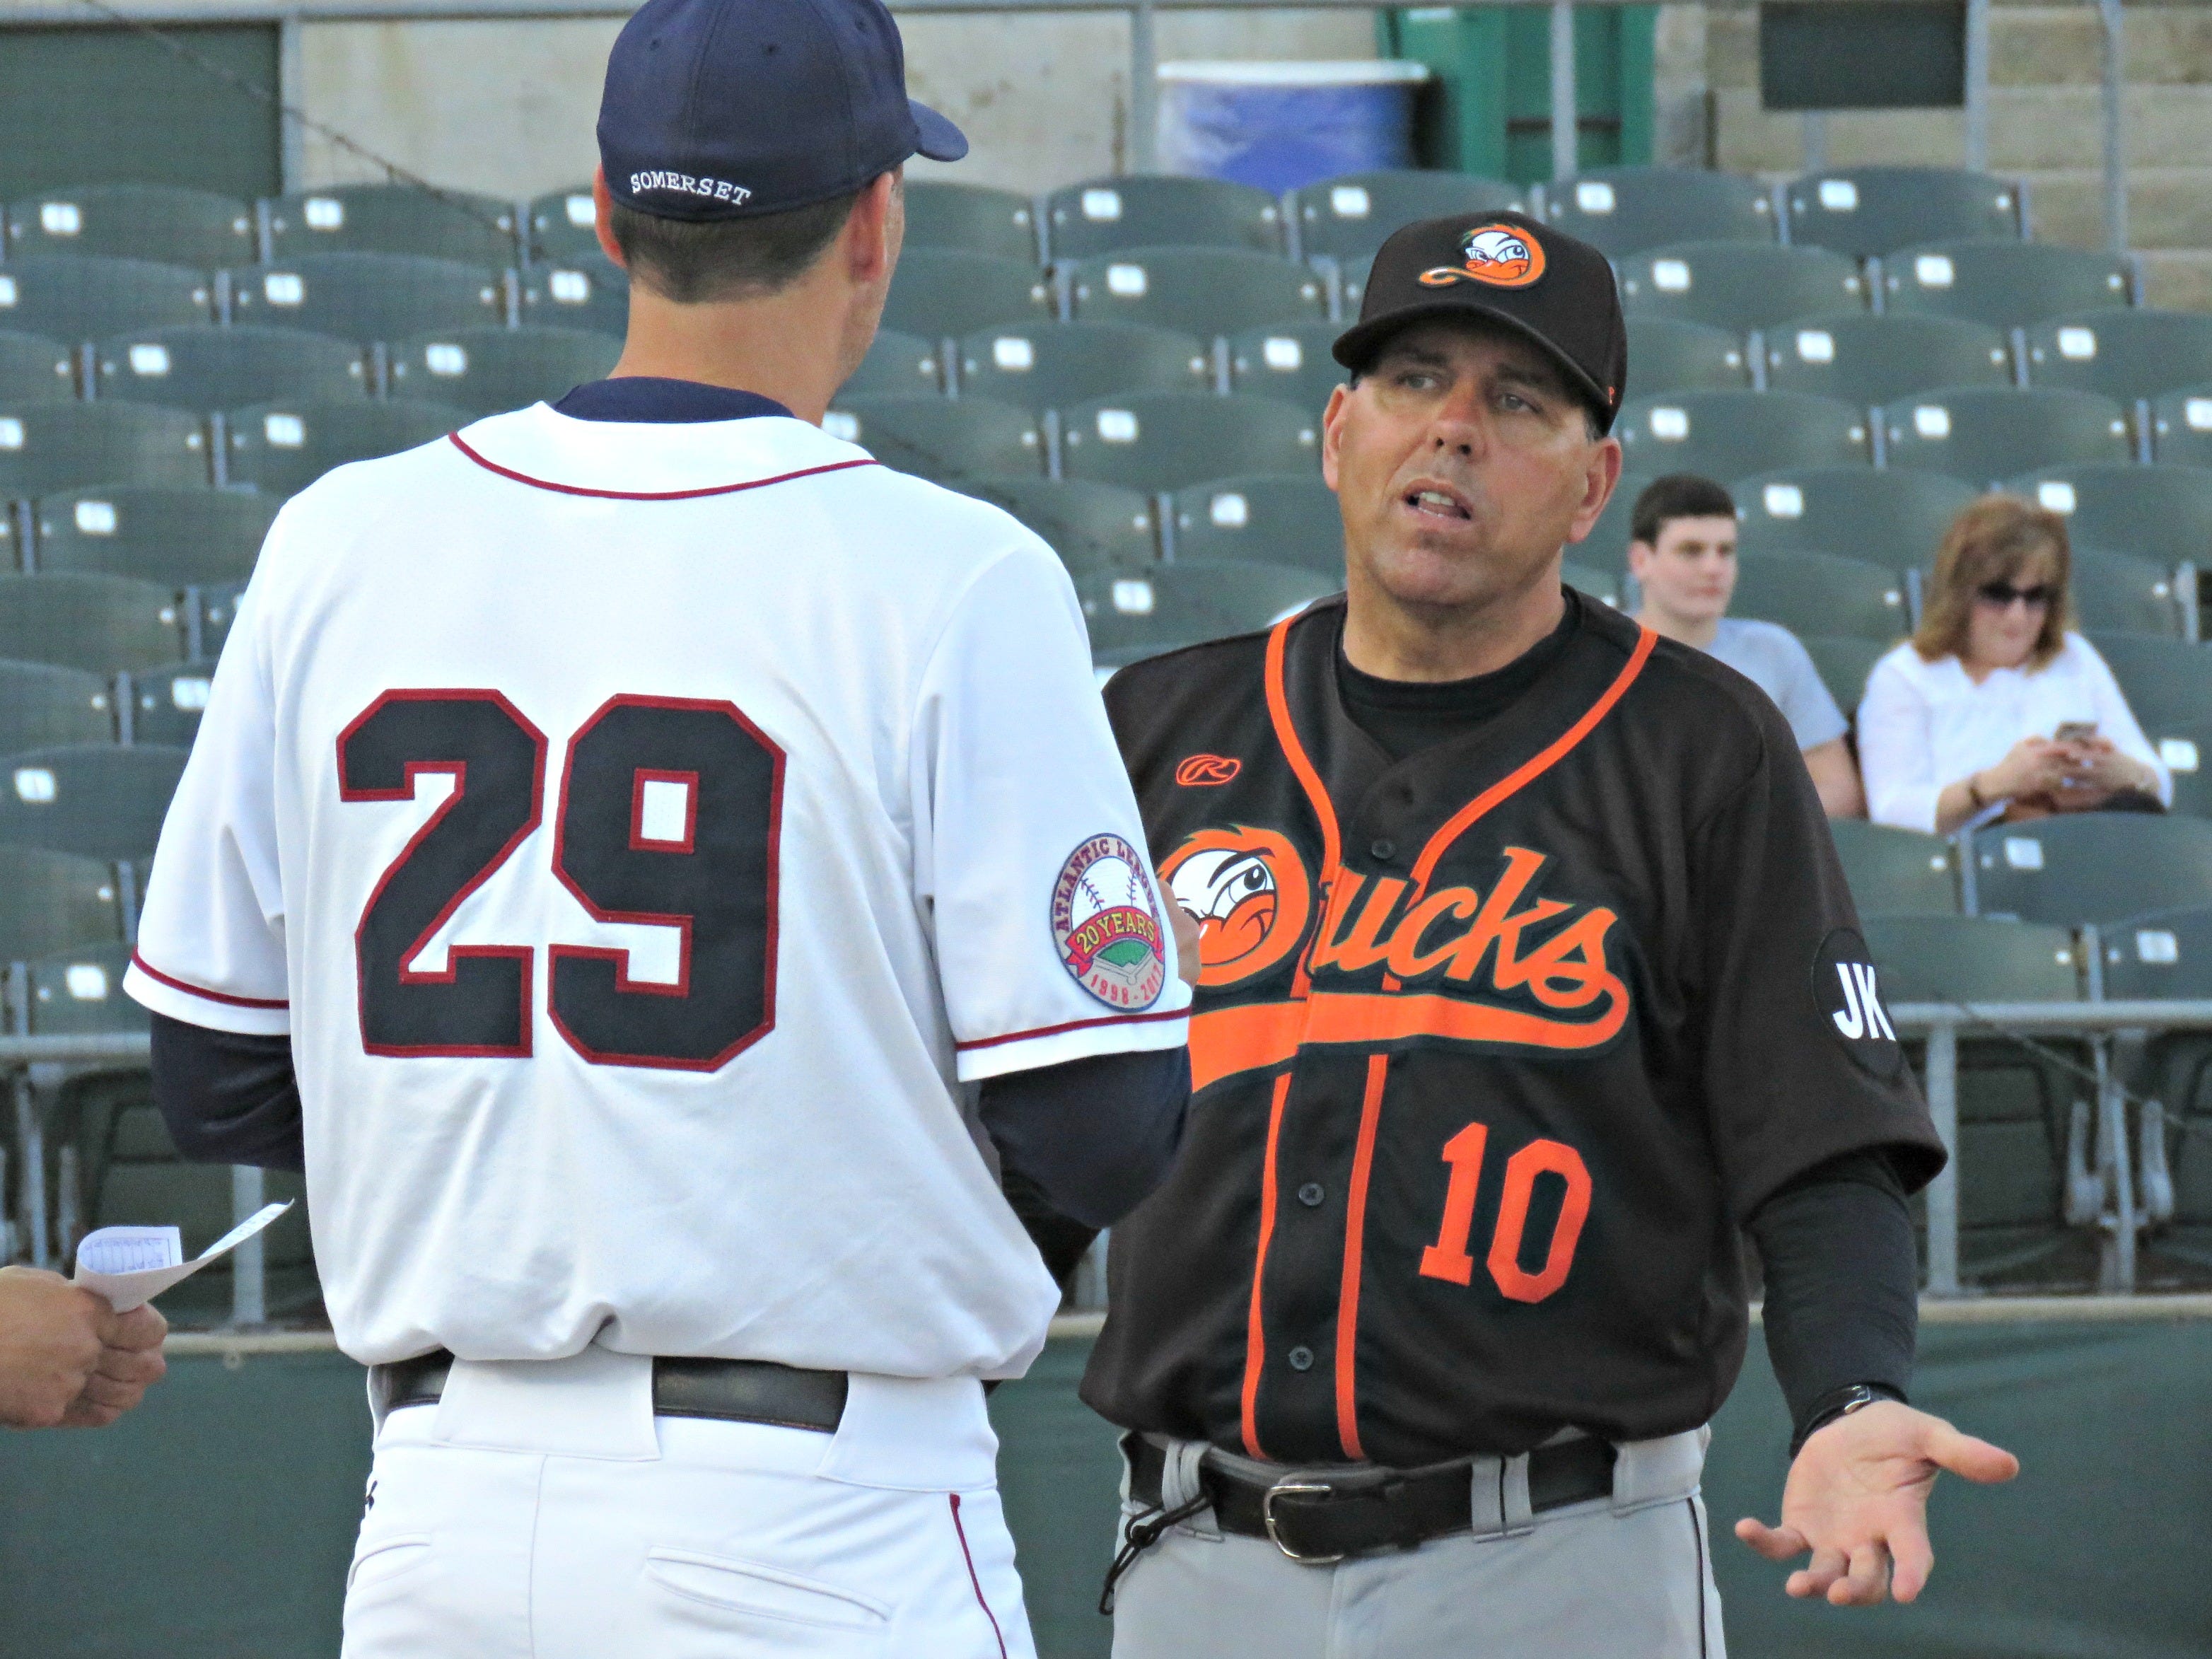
1624,1577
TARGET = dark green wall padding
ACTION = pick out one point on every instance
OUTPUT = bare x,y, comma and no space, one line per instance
228,1503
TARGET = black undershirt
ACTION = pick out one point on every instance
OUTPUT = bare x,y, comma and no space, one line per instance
1836,1243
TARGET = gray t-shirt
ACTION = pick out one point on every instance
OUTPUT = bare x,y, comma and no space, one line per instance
1773,659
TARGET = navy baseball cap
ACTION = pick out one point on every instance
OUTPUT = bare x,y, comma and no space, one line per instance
722,109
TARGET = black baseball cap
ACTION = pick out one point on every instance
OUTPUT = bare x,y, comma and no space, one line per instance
1540,281
722,109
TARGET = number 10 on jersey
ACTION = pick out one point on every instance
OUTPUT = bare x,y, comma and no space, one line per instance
669,815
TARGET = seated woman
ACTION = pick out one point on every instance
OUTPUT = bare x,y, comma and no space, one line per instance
1995,702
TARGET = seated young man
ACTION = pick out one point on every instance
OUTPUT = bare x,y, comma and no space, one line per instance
1682,554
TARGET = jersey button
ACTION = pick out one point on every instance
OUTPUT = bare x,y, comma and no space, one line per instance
1310,1194
1384,851
1301,1357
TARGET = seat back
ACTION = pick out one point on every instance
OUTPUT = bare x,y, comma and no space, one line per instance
1666,355
1352,214
1286,519
1606,547
204,369
2121,593
941,440
1052,365
1866,360
2006,284
53,901
1089,525
1287,362
1601,584
972,217
96,799
367,297
904,363
2162,954
1805,592
171,534
2181,427
41,705
1154,441
485,371
2124,355
80,993
2092,866
1730,435
1897,872
97,623
1203,291
1182,604
2167,683
34,369
396,218
47,448
167,704
1870,211
1844,662
561,223
1972,959
2159,513
1631,210
175,226
90,297
1901,516
1739,286
1104,215
1983,434
937,292
581,290
282,447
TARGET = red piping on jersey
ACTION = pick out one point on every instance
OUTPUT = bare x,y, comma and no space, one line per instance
1255,1327
968,1556
224,997
1355,1234
646,495
1071,1025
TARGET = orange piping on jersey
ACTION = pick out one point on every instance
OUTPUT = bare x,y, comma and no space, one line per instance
1255,1329
1286,734
1355,1230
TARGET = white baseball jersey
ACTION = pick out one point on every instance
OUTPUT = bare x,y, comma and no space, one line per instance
642,832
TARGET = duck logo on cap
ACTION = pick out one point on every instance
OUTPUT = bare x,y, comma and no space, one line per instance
1499,255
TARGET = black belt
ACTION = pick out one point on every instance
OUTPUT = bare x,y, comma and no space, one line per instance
1324,1515
729,1390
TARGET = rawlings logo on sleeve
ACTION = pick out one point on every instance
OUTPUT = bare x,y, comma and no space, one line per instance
1106,924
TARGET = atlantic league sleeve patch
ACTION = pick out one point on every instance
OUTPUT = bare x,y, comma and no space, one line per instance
1106,923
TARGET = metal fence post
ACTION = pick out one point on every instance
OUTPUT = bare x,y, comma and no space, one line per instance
1943,1191
2115,162
1566,116
249,1271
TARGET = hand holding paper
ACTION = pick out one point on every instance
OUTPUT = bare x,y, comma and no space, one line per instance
131,1266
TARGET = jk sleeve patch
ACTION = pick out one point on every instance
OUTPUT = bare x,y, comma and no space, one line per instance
1106,923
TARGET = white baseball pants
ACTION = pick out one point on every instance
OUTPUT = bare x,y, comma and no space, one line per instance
540,1512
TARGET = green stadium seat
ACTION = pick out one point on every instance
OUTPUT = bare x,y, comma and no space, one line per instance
972,217
2092,866
368,297
2121,593
2162,956
1284,519
204,369
1203,291
1087,523
1631,210
88,298
1050,365
1605,585
164,222
282,447
2181,427
176,537
2167,954
2186,748
490,370
1142,614
1728,435
45,447
1287,362
1667,355
165,704
2004,284
1866,360
2167,683
99,801
585,290
2160,513
218,610
1352,287
1149,211
1605,548
897,362
97,623
1885,518
1843,664
1154,441
1739,286
942,440
1896,871
1810,592
51,901
1982,434
41,705
80,994
2124,355
2023,1139
941,292
1349,216
34,369
562,224
448,224
1867,212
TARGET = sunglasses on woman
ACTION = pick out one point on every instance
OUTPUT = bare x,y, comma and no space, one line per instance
2003,595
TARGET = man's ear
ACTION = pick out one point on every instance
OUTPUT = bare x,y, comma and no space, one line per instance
872,232
602,217
1332,432
1600,479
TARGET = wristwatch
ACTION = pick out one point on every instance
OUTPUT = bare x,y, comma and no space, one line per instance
1840,1402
